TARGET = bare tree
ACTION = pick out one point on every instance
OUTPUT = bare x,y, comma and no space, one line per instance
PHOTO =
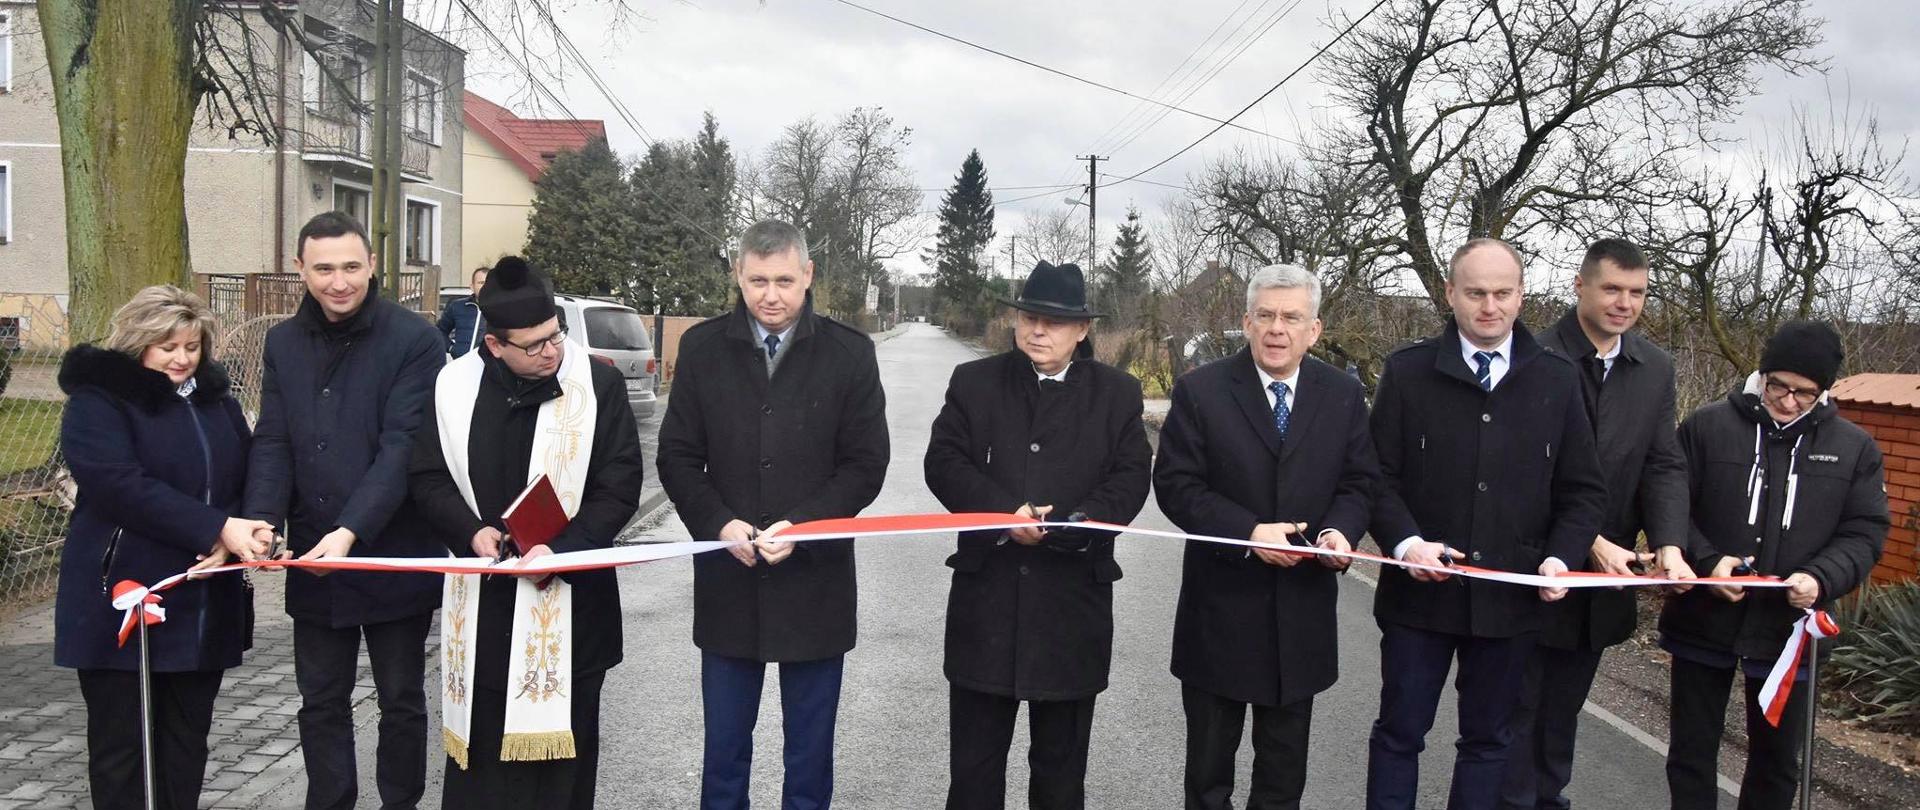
1481,113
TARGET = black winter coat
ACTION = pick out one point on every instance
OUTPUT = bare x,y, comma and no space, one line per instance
1247,630
158,477
338,408
499,450
1036,622
808,444
1839,517
1646,477
1508,476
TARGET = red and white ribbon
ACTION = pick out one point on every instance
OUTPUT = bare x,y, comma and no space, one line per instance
1779,685
138,603
856,527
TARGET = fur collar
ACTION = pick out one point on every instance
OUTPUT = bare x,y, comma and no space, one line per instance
124,378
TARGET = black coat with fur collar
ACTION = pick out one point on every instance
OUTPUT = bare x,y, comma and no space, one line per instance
158,475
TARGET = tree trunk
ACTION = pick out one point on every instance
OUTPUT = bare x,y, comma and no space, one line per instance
123,90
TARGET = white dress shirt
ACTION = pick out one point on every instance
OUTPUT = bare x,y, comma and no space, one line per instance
1496,370
1059,378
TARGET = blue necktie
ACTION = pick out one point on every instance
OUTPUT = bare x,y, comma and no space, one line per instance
1484,373
1281,413
773,345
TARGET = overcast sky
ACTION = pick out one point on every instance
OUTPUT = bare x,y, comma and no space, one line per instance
760,67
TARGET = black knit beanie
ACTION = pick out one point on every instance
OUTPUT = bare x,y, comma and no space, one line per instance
516,296
1808,348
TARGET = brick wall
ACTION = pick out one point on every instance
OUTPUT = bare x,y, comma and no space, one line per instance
1897,430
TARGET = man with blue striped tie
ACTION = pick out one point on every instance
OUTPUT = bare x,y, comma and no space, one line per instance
1488,459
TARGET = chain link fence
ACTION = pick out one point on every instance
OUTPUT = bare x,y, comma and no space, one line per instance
36,491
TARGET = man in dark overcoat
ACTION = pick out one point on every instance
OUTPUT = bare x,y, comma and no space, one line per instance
1627,385
777,417
1488,460
513,410
1040,432
345,381
1269,445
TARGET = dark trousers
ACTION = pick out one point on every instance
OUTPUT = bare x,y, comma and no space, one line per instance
182,716
488,782
1413,667
982,728
809,704
1280,735
1699,711
326,665
1540,762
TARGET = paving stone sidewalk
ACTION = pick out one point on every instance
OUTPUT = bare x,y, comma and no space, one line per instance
254,744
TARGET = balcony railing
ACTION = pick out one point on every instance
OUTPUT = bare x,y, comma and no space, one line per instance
328,136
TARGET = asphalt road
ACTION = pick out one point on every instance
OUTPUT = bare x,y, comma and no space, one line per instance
892,749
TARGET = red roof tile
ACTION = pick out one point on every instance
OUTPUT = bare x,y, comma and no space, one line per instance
530,143
1898,390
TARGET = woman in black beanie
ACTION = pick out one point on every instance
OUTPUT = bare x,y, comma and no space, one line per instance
1783,484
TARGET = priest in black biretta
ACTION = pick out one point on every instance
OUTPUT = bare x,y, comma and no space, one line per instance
1046,431
527,402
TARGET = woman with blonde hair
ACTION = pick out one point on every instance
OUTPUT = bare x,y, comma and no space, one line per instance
158,448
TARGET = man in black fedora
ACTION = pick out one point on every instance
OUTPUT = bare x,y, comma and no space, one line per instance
1043,431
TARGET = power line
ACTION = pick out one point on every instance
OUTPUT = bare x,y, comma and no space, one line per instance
540,86
1232,57
1054,71
1178,68
1262,97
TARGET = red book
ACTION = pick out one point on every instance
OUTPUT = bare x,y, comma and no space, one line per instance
535,518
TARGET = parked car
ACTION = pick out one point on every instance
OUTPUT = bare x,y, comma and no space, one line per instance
614,334
1210,346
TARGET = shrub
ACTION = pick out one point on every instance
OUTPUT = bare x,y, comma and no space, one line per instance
1876,662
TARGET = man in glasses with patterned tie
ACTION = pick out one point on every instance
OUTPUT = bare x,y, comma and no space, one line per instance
1488,460
1268,445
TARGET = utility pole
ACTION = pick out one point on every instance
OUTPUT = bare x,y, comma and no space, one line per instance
1093,188
1013,256
396,144
387,209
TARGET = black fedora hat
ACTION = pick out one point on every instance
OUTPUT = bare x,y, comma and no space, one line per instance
1057,291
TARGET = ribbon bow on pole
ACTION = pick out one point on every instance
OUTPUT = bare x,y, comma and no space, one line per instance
137,602
1779,684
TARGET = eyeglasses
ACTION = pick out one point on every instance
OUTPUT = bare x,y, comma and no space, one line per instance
1265,318
538,347
1779,390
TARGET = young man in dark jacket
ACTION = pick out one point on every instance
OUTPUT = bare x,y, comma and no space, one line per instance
1628,388
346,378
1487,458
777,418
1044,431
1783,484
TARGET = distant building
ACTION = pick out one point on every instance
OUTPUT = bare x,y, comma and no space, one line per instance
505,155
246,200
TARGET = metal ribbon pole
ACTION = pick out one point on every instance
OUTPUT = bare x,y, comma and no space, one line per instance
1813,712
146,710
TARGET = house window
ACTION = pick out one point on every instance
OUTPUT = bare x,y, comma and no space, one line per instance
421,115
422,226
351,201
323,89
6,203
10,331
6,52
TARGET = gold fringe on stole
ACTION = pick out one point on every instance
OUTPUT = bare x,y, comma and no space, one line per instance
537,746
456,747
